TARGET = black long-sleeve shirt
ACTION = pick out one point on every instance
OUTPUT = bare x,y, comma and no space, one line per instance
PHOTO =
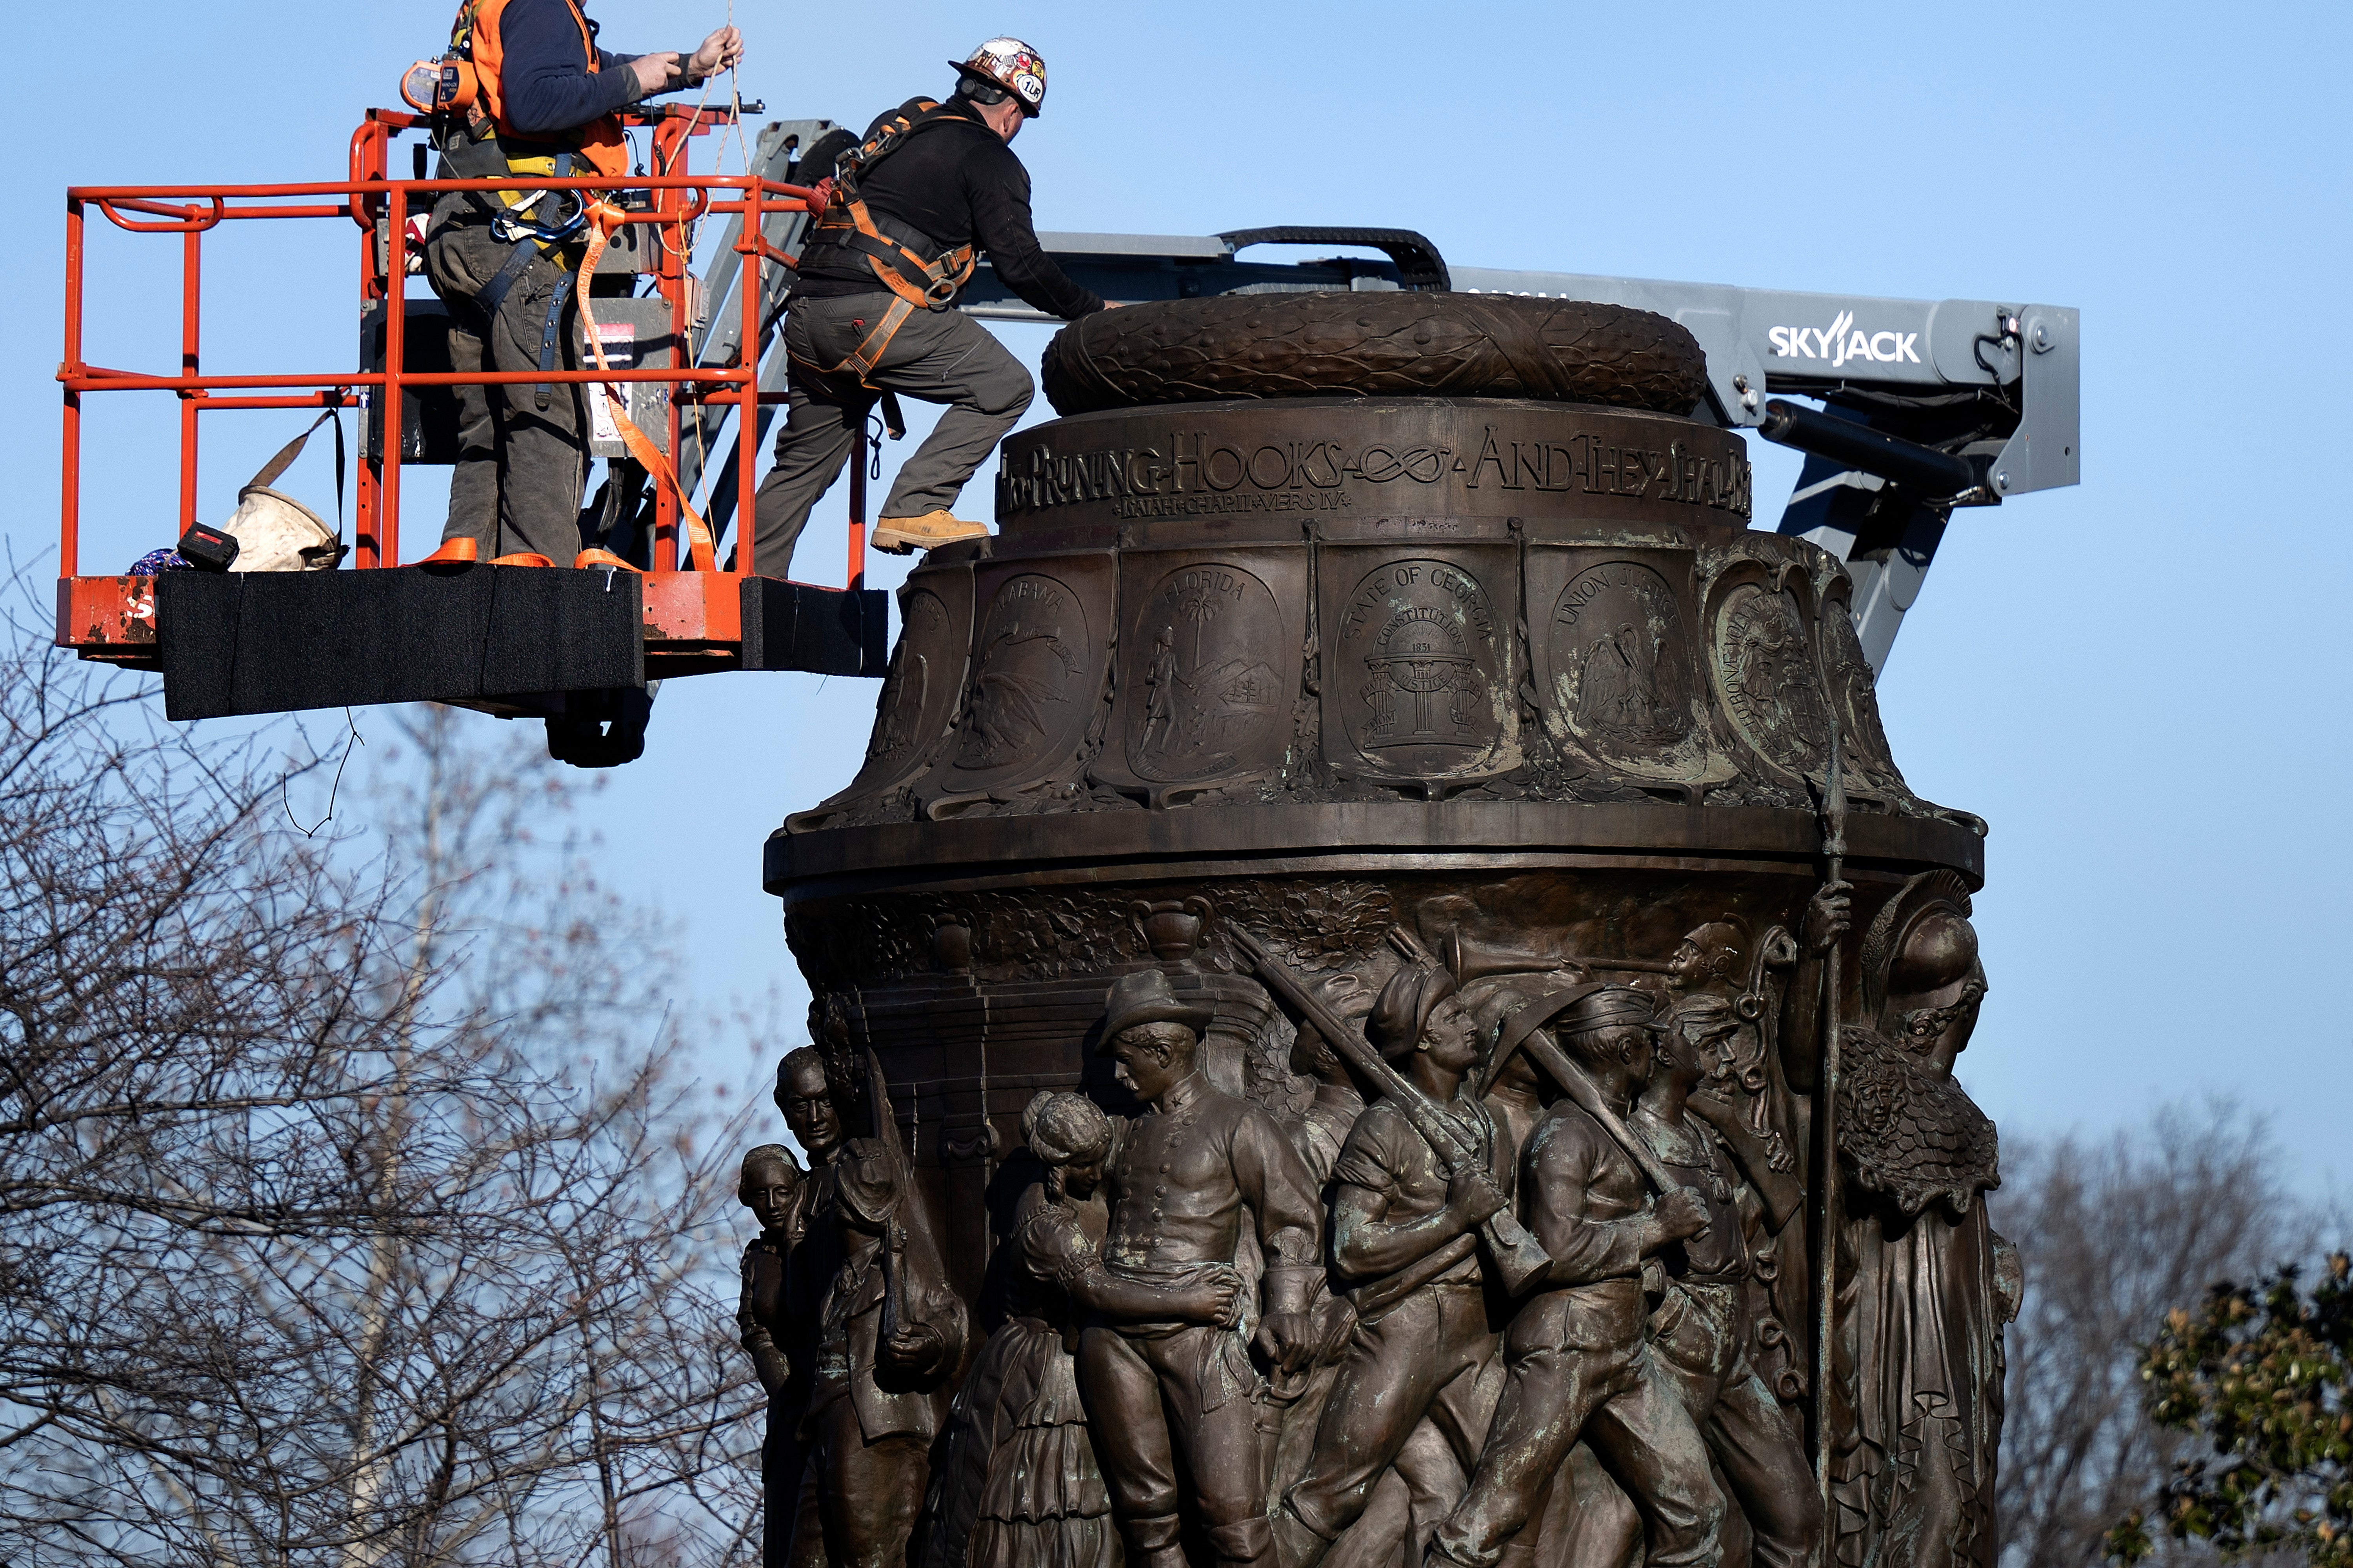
544,75
955,184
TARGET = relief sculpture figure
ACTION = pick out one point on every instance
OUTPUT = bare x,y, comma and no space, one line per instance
1924,1284
1720,961
1405,1243
1180,1410
797,1267
1576,1361
1700,1331
1022,1485
774,1188
1160,681
1321,1127
889,1331
1319,1130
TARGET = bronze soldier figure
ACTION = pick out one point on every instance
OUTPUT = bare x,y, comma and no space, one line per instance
1322,1126
1576,1363
1699,1333
773,1187
1166,1391
890,1332
1405,1241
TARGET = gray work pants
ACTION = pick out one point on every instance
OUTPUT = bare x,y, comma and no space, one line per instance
938,356
520,466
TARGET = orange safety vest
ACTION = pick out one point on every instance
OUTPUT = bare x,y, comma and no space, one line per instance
475,36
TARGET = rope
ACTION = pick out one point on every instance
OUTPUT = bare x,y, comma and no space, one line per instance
286,799
687,239
603,218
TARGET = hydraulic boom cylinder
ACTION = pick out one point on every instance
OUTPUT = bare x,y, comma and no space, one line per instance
1907,464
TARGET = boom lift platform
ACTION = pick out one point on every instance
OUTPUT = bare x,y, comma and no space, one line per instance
513,640
1927,407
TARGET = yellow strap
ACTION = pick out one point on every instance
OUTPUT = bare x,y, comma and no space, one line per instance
603,218
543,167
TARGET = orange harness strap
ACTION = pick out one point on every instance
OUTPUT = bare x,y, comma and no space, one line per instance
603,218
841,217
860,361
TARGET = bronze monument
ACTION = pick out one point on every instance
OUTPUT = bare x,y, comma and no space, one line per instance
1376,959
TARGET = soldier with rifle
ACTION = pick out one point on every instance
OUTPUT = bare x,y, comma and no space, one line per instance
1700,1332
1576,1361
1405,1240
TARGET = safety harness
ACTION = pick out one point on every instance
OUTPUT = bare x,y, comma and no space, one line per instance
844,221
469,101
513,223
469,95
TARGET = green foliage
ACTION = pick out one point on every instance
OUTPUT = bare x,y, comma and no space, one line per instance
2265,1374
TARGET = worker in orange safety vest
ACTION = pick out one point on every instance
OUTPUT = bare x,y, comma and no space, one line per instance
545,102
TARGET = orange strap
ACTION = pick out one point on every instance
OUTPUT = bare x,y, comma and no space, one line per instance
603,218
860,361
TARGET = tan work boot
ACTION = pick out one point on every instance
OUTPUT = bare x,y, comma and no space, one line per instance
898,535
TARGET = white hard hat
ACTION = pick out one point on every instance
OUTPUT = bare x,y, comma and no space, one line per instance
1013,66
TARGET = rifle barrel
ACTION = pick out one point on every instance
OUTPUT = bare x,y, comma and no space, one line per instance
1573,1080
1520,1258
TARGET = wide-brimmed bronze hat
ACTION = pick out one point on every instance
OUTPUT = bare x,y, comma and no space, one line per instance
1144,997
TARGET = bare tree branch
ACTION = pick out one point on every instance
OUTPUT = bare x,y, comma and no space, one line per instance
348,1207
2114,1233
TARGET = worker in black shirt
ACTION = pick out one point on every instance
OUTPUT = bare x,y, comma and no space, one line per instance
546,97
873,307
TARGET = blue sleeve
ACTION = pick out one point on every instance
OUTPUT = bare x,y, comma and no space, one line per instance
548,86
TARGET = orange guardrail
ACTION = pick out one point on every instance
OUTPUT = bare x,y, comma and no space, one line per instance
113,617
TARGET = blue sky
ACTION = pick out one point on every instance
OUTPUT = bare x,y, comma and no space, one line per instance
2136,681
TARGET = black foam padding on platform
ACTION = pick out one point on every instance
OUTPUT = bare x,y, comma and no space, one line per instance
259,643
826,632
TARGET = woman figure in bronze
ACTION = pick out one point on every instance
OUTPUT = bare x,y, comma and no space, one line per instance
1022,1485
1924,1284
